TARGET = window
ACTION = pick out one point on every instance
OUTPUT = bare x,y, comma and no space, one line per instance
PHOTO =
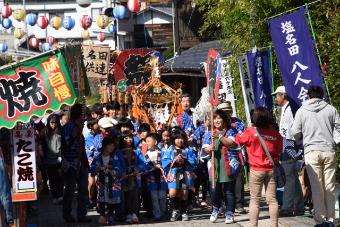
95,13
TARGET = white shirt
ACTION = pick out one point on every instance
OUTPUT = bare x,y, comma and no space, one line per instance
153,156
286,121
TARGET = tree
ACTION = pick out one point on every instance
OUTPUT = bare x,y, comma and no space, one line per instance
242,25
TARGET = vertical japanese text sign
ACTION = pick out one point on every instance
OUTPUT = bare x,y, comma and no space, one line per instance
213,75
96,61
24,161
261,77
296,56
226,92
247,88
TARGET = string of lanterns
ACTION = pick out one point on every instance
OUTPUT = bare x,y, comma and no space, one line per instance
120,12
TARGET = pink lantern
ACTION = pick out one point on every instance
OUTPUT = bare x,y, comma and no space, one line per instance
34,42
101,37
6,11
86,22
42,22
133,5
50,40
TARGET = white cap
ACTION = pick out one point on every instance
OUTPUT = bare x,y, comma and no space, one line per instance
280,89
105,122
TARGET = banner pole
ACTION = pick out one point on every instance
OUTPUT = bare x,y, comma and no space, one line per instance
212,152
317,49
272,71
288,11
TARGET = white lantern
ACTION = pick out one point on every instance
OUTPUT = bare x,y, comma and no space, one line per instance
84,3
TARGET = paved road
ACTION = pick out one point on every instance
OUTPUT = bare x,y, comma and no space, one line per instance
49,215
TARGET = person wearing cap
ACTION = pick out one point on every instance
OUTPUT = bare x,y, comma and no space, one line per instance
238,127
106,128
318,124
293,203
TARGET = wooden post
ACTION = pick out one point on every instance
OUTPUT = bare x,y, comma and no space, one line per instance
212,153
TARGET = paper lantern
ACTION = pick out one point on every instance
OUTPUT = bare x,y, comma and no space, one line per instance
31,19
50,40
120,12
133,5
85,34
86,22
6,11
42,22
46,47
18,33
34,42
112,28
68,23
6,23
84,3
101,37
3,47
103,21
56,22
19,14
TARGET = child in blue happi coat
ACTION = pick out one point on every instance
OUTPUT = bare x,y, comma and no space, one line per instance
156,181
133,164
179,164
92,125
107,167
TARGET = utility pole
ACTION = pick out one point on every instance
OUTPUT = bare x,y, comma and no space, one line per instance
177,45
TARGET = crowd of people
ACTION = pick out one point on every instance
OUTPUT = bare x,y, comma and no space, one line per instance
119,167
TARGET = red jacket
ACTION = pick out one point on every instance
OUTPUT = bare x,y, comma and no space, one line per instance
258,159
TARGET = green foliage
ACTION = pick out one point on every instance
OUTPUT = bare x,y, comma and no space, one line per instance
94,98
242,25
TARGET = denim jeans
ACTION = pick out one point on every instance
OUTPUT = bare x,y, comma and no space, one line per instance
158,202
5,193
292,194
227,190
71,179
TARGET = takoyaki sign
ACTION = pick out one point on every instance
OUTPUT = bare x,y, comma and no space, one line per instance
24,164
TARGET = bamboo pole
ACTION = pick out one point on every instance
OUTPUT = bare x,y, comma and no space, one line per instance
212,152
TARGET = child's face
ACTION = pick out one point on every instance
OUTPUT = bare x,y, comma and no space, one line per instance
128,141
143,135
179,142
123,128
166,137
151,142
95,127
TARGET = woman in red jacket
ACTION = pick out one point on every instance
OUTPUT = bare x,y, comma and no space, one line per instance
261,170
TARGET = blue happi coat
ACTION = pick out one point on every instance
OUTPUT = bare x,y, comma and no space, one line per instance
108,178
172,170
89,146
155,178
137,164
184,120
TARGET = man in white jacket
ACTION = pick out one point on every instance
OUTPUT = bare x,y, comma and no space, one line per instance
293,203
318,124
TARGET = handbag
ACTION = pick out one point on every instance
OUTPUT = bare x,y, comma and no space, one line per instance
279,172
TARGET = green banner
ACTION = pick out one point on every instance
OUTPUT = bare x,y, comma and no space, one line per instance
33,87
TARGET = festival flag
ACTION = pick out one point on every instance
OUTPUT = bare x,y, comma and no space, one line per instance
34,86
213,75
226,92
247,87
296,56
261,77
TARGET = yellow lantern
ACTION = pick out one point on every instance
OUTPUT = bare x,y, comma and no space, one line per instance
18,33
56,22
85,34
19,14
103,21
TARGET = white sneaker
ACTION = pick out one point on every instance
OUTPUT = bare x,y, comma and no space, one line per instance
134,219
214,217
229,219
129,218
